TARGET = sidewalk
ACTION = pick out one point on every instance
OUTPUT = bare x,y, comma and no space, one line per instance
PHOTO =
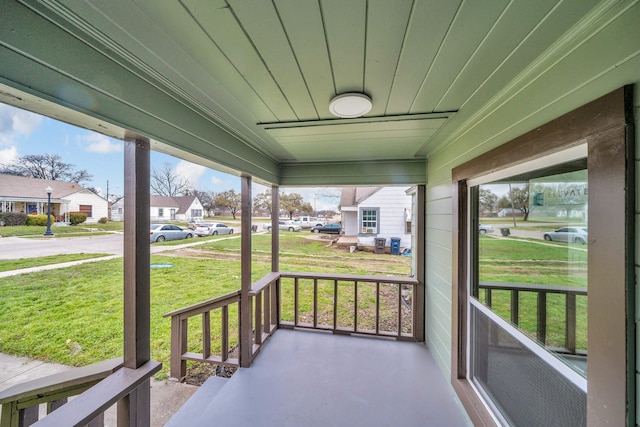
166,396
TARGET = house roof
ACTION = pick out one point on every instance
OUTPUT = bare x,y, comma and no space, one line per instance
352,196
163,201
184,203
32,188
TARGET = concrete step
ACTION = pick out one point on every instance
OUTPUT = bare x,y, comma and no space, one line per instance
189,413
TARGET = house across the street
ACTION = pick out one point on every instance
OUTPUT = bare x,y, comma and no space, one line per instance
29,196
164,208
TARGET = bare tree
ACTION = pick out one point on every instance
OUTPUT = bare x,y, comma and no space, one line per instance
46,166
263,201
230,200
165,182
293,202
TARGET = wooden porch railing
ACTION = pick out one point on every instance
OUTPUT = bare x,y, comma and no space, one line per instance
364,305
96,387
390,301
515,289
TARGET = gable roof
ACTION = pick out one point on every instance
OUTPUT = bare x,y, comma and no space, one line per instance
33,188
163,202
352,196
184,203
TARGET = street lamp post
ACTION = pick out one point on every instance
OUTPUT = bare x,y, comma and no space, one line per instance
48,232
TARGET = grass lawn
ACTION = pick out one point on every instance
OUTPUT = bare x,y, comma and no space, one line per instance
17,264
518,261
74,315
60,231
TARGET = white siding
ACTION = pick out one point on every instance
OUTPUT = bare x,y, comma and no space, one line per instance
350,223
392,202
86,197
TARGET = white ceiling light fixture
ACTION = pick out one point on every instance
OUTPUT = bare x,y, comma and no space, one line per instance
350,105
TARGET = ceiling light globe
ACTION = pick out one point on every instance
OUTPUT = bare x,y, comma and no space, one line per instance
350,105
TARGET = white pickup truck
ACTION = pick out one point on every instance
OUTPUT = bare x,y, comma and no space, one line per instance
307,221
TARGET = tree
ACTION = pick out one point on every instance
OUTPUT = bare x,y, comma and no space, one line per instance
263,201
230,200
46,166
488,200
294,202
165,182
520,198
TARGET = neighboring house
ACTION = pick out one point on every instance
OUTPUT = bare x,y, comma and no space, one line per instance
29,195
376,212
164,208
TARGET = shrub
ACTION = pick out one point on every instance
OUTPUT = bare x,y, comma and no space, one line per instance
103,220
38,220
13,218
76,218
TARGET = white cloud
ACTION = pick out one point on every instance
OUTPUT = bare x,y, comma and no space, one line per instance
215,180
15,122
8,155
190,171
97,143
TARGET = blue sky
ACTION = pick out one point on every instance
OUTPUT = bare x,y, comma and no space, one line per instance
23,132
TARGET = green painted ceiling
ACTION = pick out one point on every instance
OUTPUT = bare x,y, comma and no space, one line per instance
245,86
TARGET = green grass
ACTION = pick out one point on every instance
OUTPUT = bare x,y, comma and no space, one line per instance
518,261
17,264
60,231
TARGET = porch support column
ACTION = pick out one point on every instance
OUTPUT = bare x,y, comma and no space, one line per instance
275,229
134,410
420,302
246,341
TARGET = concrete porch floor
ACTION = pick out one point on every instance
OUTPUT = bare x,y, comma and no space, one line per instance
303,378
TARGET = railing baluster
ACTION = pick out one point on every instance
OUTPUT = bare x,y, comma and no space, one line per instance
266,322
206,334
399,310
275,304
570,322
377,308
488,292
355,305
178,346
542,317
335,305
515,306
295,301
225,333
258,319
315,303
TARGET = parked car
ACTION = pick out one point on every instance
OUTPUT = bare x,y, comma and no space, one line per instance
308,222
484,229
195,222
162,232
212,229
284,226
568,234
328,228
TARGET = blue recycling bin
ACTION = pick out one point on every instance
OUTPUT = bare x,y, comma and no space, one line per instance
395,246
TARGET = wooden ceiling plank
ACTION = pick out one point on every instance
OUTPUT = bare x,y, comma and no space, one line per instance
345,32
428,25
386,28
222,27
472,22
514,26
288,141
262,24
418,125
302,23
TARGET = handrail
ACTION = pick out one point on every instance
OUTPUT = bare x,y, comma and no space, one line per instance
541,290
20,402
100,397
351,277
204,306
263,282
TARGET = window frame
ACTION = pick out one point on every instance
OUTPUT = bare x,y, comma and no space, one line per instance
86,209
361,211
606,125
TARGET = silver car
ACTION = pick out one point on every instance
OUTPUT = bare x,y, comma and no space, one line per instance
212,229
286,226
162,232
568,234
